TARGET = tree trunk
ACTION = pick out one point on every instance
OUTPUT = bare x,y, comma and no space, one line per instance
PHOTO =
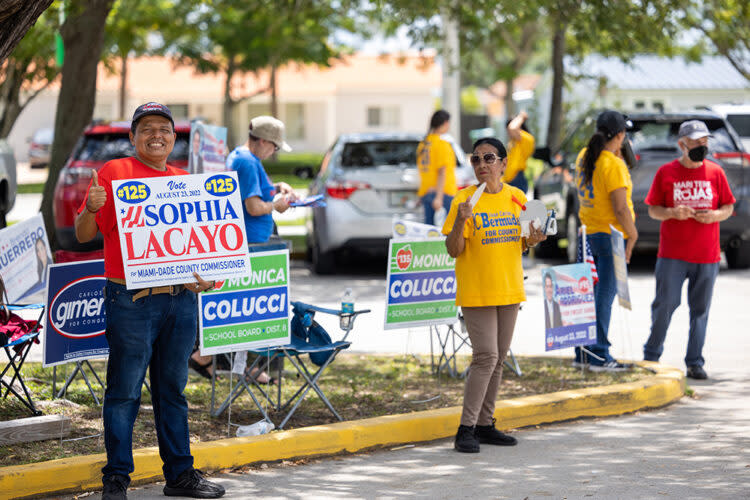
123,86
554,129
274,97
510,104
16,17
83,37
10,90
228,107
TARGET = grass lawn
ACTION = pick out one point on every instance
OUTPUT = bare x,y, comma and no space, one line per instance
359,386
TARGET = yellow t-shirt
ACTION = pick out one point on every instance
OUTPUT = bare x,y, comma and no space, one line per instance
434,153
488,271
595,207
519,153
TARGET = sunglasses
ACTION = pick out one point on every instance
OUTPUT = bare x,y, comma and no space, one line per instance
489,159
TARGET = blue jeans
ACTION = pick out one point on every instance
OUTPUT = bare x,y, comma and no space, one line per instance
520,181
429,212
670,275
155,332
600,245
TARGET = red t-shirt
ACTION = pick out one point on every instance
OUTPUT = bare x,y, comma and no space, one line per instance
125,168
702,188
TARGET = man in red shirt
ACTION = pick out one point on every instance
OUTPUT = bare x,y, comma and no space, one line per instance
148,328
691,196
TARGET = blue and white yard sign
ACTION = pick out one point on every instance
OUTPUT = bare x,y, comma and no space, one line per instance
574,293
75,320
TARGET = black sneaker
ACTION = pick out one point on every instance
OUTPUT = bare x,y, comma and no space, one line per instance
115,488
191,484
488,434
466,442
697,372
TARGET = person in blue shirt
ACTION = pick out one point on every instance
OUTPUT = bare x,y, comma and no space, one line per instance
260,196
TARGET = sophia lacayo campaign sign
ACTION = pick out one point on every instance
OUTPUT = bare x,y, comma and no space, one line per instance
171,227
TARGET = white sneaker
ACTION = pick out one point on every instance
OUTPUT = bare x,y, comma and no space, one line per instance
610,366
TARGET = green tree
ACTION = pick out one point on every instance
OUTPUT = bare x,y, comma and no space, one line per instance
83,38
28,70
235,37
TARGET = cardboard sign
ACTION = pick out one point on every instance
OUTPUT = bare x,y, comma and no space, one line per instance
75,320
171,227
421,284
409,230
621,268
208,148
251,312
24,258
568,302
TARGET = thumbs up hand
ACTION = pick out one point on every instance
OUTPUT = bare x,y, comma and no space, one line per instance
97,194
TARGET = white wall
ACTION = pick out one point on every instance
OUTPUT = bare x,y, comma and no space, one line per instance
414,115
40,113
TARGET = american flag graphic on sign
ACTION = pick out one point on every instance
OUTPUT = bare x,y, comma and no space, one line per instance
584,253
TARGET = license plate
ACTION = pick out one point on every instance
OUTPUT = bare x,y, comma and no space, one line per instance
402,199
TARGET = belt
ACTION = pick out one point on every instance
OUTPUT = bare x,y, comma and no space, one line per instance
145,292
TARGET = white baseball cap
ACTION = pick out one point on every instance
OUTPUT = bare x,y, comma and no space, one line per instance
270,129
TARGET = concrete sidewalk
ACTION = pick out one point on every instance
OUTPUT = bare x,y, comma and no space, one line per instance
82,473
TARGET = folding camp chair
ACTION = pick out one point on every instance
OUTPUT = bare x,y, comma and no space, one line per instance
17,337
320,353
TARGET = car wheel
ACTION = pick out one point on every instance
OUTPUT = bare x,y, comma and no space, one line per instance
738,257
3,222
571,224
322,262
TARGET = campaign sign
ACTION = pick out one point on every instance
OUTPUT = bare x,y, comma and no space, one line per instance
208,148
171,227
570,314
75,320
251,312
621,268
24,258
421,284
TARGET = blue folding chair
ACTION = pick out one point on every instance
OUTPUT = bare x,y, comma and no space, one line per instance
308,338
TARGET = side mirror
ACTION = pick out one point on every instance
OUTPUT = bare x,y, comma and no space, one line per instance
304,172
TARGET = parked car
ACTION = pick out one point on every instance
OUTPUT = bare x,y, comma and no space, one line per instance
367,179
654,142
40,146
7,180
738,116
99,143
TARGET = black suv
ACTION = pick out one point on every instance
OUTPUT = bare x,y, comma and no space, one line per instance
654,142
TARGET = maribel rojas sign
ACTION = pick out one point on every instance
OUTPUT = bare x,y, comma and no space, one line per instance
171,227
421,284
75,318
251,312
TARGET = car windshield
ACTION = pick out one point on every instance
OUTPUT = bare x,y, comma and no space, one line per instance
105,147
373,154
662,136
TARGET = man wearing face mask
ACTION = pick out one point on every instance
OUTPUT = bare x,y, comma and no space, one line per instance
691,196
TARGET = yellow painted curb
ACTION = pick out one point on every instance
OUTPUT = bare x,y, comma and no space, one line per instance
84,472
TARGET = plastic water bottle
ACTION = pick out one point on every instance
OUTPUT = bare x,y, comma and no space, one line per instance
347,308
439,218
256,429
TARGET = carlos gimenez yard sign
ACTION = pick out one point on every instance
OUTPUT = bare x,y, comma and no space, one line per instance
421,284
251,312
75,320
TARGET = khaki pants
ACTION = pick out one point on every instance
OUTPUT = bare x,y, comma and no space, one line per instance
490,330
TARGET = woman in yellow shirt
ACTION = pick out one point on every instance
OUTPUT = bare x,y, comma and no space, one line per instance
437,168
520,149
605,197
485,239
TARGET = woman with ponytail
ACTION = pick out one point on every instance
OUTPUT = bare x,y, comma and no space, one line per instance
436,161
605,198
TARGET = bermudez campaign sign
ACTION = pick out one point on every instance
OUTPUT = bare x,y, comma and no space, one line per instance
569,312
75,320
421,284
171,227
251,312
24,258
